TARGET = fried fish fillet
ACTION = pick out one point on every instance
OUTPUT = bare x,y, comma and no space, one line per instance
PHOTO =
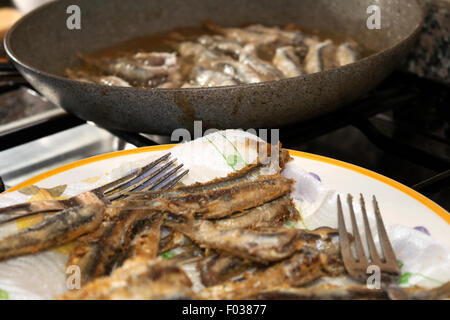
222,202
140,278
97,253
54,230
270,214
262,246
218,268
300,269
146,241
248,173
352,292
174,240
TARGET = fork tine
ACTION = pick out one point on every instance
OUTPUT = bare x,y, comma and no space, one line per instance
388,252
157,184
371,244
358,243
135,174
344,243
172,182
139,182
110,191
169,183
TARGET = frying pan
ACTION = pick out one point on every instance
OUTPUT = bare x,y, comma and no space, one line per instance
42,47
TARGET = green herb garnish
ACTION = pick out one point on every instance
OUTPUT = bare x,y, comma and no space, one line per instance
4,295
233,159
168,255
404,279
400,263
289,224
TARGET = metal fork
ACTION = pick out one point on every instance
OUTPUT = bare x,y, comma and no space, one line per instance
156,175
357,268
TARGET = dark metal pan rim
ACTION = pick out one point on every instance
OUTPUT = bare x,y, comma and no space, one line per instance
17,61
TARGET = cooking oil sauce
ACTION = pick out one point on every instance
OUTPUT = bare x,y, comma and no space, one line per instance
167,41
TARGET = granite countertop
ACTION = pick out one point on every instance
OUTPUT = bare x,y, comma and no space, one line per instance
431,56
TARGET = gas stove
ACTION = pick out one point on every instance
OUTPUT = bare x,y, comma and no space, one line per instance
401,130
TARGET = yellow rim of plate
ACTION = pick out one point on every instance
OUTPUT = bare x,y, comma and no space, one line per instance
397,185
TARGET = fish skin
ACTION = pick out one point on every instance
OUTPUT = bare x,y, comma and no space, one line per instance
266,71
139,278
249,172
350,292
174,240
287,37
238,70
209,78
97,253
346,54
270,214
54,230
259,246
219,203
218,268
322,292
316,59
24,209
241,35
142,68
93,254
258,34
287,62
328,244
196,54
265,245
226,46
110,80
300,269
146,241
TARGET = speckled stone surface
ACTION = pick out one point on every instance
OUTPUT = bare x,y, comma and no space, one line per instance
430,57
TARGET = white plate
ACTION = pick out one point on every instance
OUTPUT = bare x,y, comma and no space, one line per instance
399,204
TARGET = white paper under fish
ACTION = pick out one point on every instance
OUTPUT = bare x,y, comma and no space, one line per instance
424,261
